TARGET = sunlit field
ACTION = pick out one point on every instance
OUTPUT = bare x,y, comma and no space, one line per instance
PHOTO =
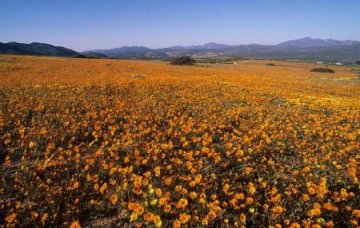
89,142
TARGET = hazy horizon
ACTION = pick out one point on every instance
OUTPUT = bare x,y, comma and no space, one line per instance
88,25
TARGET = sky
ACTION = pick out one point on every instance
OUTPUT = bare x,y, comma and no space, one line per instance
101,24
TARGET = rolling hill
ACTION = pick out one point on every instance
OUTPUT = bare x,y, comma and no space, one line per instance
35,49
133,52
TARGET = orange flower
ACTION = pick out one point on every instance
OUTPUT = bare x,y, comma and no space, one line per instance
148,217
10,218
193,195
356,213
103,188
32,144
243,218
182,203
75,224
44,218
139,210
330,207
176,224
113,199
184,218
211,215
277,210
167,208
316,211
75,185
158,192
136,207
295,225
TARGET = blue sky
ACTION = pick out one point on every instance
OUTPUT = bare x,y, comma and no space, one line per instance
95,24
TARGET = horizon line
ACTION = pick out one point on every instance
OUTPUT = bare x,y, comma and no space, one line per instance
182,45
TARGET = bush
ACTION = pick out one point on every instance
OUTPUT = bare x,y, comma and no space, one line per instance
323,70
183,60
358,62
82,56
270,64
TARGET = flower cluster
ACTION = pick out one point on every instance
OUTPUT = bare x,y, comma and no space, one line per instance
83,142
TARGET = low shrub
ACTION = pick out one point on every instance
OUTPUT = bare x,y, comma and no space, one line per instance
183,60
322,70
81,56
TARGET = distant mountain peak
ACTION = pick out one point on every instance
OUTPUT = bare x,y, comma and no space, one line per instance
308,42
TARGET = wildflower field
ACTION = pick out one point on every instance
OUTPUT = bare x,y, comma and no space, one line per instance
86,142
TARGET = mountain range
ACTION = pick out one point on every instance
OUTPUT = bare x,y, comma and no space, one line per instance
303,49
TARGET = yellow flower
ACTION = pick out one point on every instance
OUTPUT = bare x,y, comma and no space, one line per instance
133,217
226,187
157,221
157,171
32,144
154,202
204,222
251,188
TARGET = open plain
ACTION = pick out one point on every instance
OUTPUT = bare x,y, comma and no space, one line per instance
128,142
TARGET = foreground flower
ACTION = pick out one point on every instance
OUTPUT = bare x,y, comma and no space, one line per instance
75,224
